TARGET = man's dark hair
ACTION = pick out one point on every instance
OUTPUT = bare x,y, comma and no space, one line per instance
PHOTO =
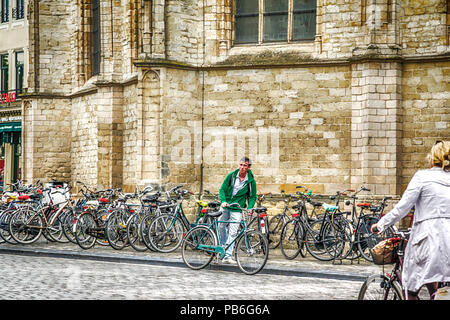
245,159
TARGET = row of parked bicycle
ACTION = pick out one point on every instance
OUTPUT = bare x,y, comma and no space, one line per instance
156,221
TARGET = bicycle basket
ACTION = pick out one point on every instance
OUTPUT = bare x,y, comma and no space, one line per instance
385,252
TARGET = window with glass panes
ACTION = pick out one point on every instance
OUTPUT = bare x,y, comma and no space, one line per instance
4,65
263,21
95,53
4,11
19,72
19,10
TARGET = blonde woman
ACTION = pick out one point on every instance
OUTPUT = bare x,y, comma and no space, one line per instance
427,255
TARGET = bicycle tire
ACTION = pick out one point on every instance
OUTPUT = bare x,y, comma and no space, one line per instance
379,287
166,233
144,229
314,242
26,226
55,230
85,230
116,229
134,233
276,224
69,221
290,239
345,245
4,226
194,257
252,252
364,238
102,216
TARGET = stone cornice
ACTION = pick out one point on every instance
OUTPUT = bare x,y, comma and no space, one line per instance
243,63
93,88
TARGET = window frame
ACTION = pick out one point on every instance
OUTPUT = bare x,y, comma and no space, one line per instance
19,67
4,11
18,12
95,38
290,24
4,73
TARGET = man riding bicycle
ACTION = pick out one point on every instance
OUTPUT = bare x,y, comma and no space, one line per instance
239,186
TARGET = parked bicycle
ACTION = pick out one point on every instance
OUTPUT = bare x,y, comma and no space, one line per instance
167,230
293,233
201,245
33,218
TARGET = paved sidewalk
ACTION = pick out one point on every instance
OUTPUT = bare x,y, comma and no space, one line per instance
356,270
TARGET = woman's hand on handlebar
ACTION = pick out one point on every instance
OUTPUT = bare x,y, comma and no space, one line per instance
374,228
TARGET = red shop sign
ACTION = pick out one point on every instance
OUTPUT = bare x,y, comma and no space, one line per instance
7,97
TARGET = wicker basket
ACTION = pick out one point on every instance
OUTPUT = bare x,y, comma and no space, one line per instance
385,252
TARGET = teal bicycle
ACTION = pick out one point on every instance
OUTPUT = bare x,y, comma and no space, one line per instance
201,245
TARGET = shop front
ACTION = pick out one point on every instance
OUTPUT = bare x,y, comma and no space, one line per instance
10,152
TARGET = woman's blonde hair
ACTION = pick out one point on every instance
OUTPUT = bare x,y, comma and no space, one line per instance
439,154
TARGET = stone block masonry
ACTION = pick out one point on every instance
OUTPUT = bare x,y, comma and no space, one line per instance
176,101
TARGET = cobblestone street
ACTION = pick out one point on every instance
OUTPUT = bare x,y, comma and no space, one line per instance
44,278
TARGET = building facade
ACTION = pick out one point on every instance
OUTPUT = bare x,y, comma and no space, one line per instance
329,94
13,78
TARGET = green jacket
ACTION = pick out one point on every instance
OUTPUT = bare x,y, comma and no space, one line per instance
247,193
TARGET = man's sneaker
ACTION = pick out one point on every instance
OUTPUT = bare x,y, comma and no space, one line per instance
229,260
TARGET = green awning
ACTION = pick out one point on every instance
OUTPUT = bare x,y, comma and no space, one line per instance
11,127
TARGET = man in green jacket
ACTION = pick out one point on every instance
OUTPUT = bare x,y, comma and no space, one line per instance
239,186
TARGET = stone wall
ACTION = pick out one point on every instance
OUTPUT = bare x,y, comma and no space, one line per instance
176,102
293,123
84,139
424,27
426,113
47,145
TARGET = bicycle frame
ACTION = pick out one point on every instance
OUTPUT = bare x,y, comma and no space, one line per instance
214,227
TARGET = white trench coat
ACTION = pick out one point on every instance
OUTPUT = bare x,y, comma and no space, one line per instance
427,254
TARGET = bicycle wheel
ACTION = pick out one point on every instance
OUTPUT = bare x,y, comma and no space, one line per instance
116,229
291,239
342,244
198,246
68,223
55,230
166,233
365,239
315,243
102,216
378,287
276,224
145,228
26,226
4,226
134,233
85,230
252,251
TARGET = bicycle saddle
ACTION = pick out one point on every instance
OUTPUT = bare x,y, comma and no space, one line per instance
260,209
328,207
151,198
363,204
316,204
213,204
202,203
214,214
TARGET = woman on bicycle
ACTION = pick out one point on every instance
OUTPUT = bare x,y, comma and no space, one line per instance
427,255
